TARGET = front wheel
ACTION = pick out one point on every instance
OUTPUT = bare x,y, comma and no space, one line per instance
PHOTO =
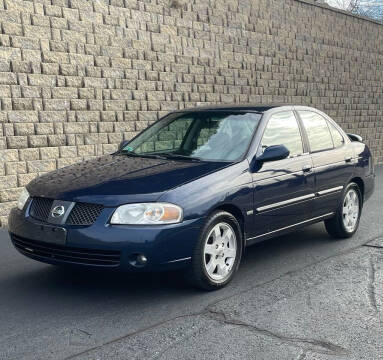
345,223
217,254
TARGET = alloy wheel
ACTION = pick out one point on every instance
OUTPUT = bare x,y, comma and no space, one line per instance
351,208
220,252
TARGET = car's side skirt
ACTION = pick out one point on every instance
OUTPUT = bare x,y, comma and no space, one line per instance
287,229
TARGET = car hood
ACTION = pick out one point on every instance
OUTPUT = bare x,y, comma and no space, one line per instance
116,179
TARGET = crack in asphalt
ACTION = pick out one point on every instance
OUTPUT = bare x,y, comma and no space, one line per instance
314,345
85,332
337,349
373,246
371,285
173,344
136,332
302,355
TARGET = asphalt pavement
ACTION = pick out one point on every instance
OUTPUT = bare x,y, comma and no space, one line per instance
300,296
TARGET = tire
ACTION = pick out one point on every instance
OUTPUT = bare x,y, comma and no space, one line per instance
345,223
218,252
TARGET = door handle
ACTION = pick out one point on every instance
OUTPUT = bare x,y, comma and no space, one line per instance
348,159
306,168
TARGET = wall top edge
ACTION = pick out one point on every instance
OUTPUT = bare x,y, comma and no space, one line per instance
339,11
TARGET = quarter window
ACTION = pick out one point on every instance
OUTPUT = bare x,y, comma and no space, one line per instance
317,130
337,137
283,129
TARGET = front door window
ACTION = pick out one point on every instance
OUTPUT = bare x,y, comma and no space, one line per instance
283,129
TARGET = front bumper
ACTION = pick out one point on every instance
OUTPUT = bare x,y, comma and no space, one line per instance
105,245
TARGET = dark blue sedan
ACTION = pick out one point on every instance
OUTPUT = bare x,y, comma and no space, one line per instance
194,189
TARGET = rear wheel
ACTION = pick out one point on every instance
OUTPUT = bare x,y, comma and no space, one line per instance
218,252
345,223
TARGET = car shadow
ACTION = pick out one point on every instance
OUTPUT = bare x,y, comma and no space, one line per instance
85,284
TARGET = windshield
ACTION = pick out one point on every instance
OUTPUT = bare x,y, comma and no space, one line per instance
199,136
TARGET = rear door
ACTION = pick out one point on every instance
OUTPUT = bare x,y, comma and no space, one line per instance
332,160
283,189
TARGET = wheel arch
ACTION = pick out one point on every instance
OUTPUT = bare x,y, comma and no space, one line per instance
359,181
238,214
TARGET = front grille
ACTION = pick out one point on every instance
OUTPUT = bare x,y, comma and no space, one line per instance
82,213
40,208
65,253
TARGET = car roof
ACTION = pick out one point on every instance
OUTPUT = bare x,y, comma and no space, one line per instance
246,107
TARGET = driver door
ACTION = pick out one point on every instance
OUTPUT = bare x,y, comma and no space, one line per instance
283,189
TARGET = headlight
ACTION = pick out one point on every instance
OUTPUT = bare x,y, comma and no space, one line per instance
147,214
24,196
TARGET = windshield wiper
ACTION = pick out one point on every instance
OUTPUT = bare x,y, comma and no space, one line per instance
164,156
181,157
150,156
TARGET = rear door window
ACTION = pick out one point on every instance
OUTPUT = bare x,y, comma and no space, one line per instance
317,130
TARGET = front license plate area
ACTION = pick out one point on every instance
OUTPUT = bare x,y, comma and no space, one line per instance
51,234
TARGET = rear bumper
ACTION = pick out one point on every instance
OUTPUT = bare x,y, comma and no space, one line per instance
104,245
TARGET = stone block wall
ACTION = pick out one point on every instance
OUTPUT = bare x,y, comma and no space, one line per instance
79,76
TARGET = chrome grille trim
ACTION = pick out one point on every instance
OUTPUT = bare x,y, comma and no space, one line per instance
81,214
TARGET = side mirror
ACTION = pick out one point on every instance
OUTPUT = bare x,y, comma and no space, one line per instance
275,152
123,143
354,137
